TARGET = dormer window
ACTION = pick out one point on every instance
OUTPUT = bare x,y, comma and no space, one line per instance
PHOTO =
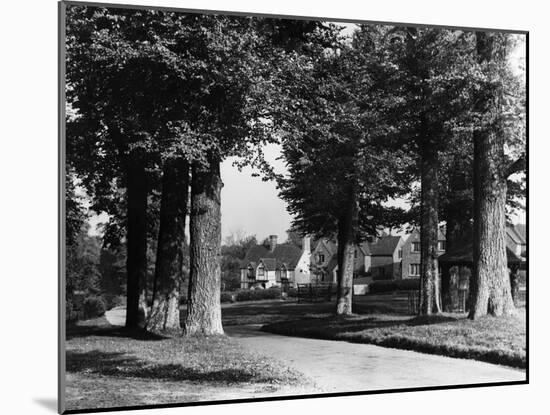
321,258
250,272
261,271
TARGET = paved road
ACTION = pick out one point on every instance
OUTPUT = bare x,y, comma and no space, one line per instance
338,366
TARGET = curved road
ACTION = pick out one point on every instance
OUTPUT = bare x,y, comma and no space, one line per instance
338,366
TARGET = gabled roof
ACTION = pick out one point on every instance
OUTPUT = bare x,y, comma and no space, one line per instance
365,247
288,254
384,246
329,245
522,230
462,253
332,264
269,263
513,232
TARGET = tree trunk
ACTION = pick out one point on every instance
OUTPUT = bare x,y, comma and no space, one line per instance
203,305
164,315
347,228
446,294
514,283
136,261
490,289
429,229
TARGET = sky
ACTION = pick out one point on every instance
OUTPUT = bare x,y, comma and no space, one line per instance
251,206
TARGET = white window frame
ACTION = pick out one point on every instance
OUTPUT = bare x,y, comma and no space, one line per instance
411,270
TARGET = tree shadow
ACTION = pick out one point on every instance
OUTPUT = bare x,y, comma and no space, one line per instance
116,364
79,331
328,327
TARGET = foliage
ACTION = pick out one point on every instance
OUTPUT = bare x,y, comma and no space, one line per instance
271,293
233,253
332,140
383,286
94,307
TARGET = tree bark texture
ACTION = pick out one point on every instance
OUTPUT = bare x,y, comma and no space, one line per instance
514,283
136,261
490,291
429,229
164,315
347,228
203,305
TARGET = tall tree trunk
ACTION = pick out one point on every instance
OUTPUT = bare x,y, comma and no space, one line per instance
203,305
347,228
136,261
490,288
164,315
429,229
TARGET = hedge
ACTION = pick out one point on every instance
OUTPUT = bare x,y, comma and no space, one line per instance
384,286
94,307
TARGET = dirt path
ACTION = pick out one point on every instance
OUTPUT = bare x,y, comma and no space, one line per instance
338,366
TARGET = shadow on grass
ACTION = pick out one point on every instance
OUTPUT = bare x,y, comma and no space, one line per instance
328,327
117,364
106,330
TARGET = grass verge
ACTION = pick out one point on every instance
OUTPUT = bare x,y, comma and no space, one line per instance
110,367
493,340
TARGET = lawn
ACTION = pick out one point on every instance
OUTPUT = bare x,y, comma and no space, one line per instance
494,340
109,367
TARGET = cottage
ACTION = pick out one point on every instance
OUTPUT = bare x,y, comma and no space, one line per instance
385,256
276,264
324,263
515,239
410,253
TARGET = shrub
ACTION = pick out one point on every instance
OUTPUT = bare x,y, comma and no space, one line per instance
113,300
258,294
227,297
384,286
94,307
292,292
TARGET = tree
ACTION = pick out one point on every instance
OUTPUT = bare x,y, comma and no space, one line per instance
340,174
428,84
169,265
490,289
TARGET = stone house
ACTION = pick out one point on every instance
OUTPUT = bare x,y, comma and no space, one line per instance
516,239
324,263
410,253
385,257
274,264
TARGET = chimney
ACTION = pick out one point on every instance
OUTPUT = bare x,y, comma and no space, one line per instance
306,244
272,242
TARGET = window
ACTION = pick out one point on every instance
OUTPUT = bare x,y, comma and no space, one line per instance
355,254
441,245
261,272
414,270
400,253
415,247
321,258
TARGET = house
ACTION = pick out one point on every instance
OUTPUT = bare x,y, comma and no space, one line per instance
385,257
276,264
324,263
411,253
516,239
